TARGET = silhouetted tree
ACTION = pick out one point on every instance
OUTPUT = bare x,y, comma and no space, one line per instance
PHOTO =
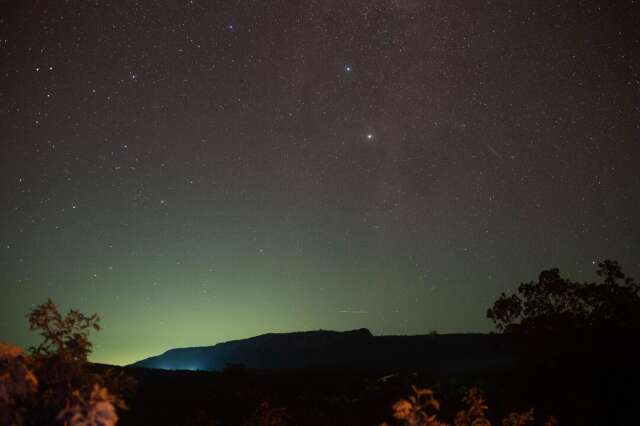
575,339
67,336
67,388
60,358
556,305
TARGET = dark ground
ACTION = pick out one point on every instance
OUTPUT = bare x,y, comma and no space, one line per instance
235,396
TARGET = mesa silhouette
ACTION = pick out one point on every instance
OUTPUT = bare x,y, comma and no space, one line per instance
353,350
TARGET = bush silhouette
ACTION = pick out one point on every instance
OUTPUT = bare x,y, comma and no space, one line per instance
422,408
63,336
18,384
55,382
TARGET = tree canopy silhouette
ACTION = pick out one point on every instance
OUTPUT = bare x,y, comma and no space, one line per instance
556,305
576,342
68,388
64,336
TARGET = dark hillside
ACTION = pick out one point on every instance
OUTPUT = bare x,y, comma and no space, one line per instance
354,350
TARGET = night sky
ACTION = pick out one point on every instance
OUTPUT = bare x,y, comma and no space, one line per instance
201,171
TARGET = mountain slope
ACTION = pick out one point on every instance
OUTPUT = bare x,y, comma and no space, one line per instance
356,350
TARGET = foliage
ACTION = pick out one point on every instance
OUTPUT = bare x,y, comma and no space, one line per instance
17,384
98,410
66,336
562,329
65,388
60,359
475,414
268,415
555,305
520,419
421,409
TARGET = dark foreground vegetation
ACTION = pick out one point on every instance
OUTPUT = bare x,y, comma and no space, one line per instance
242,397
576,364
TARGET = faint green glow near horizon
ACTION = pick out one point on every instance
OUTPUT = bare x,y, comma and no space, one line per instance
165,292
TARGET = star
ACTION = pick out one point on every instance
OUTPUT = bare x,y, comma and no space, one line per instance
348,68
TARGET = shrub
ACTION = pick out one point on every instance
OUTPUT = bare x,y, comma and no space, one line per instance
98,410
55,381
421,409
18,384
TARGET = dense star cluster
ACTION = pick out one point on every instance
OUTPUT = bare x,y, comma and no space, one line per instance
198,171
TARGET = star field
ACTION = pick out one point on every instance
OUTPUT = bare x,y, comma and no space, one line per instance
200,171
